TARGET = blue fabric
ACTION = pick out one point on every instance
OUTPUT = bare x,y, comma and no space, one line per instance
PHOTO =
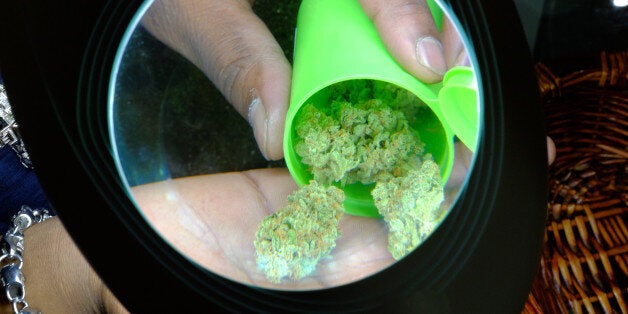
18,186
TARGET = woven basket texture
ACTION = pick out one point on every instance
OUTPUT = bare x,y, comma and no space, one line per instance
584,264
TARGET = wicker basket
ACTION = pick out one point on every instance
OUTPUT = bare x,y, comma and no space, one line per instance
584,265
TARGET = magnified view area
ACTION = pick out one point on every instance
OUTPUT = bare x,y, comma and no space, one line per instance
275,148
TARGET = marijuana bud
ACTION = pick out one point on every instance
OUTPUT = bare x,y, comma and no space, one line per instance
410,206
291,241
325,147
362,135
359,138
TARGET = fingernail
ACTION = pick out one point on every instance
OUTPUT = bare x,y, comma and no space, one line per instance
551,150
258,119
429,53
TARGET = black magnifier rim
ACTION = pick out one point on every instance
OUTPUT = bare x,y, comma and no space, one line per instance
481,259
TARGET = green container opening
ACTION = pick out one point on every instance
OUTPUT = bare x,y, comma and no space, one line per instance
426,123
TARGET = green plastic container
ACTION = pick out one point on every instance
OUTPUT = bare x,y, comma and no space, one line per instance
459,104
335,42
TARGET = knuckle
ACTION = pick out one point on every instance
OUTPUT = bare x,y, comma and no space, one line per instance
240,66
233,67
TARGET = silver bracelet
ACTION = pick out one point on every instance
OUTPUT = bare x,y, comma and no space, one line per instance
9,133
12,246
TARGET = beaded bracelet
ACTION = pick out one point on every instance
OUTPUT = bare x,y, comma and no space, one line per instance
11,262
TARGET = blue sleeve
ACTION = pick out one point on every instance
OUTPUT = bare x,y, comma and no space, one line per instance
18,186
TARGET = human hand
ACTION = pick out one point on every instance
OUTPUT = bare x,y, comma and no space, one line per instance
58,279
408,31
212,219
237,52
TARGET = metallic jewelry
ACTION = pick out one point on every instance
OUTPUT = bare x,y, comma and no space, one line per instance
9,134
11,262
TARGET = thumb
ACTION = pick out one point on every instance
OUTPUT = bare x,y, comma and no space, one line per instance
237,52
410,35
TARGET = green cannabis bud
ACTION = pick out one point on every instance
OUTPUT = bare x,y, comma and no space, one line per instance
359,138
410,206
327,149
363,135
290,242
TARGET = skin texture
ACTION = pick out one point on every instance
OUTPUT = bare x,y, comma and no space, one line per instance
58,278
411,37
212,219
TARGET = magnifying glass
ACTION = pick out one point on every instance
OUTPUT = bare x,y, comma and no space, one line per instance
191,205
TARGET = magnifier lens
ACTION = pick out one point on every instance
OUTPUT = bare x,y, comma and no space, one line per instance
381,139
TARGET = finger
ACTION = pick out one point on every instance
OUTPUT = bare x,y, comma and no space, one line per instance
360,252
410,35
463,157
453,45
551,151
234,48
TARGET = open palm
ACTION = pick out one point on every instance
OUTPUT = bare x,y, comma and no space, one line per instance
212,219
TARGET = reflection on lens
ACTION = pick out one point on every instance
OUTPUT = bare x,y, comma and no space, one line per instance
372,165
